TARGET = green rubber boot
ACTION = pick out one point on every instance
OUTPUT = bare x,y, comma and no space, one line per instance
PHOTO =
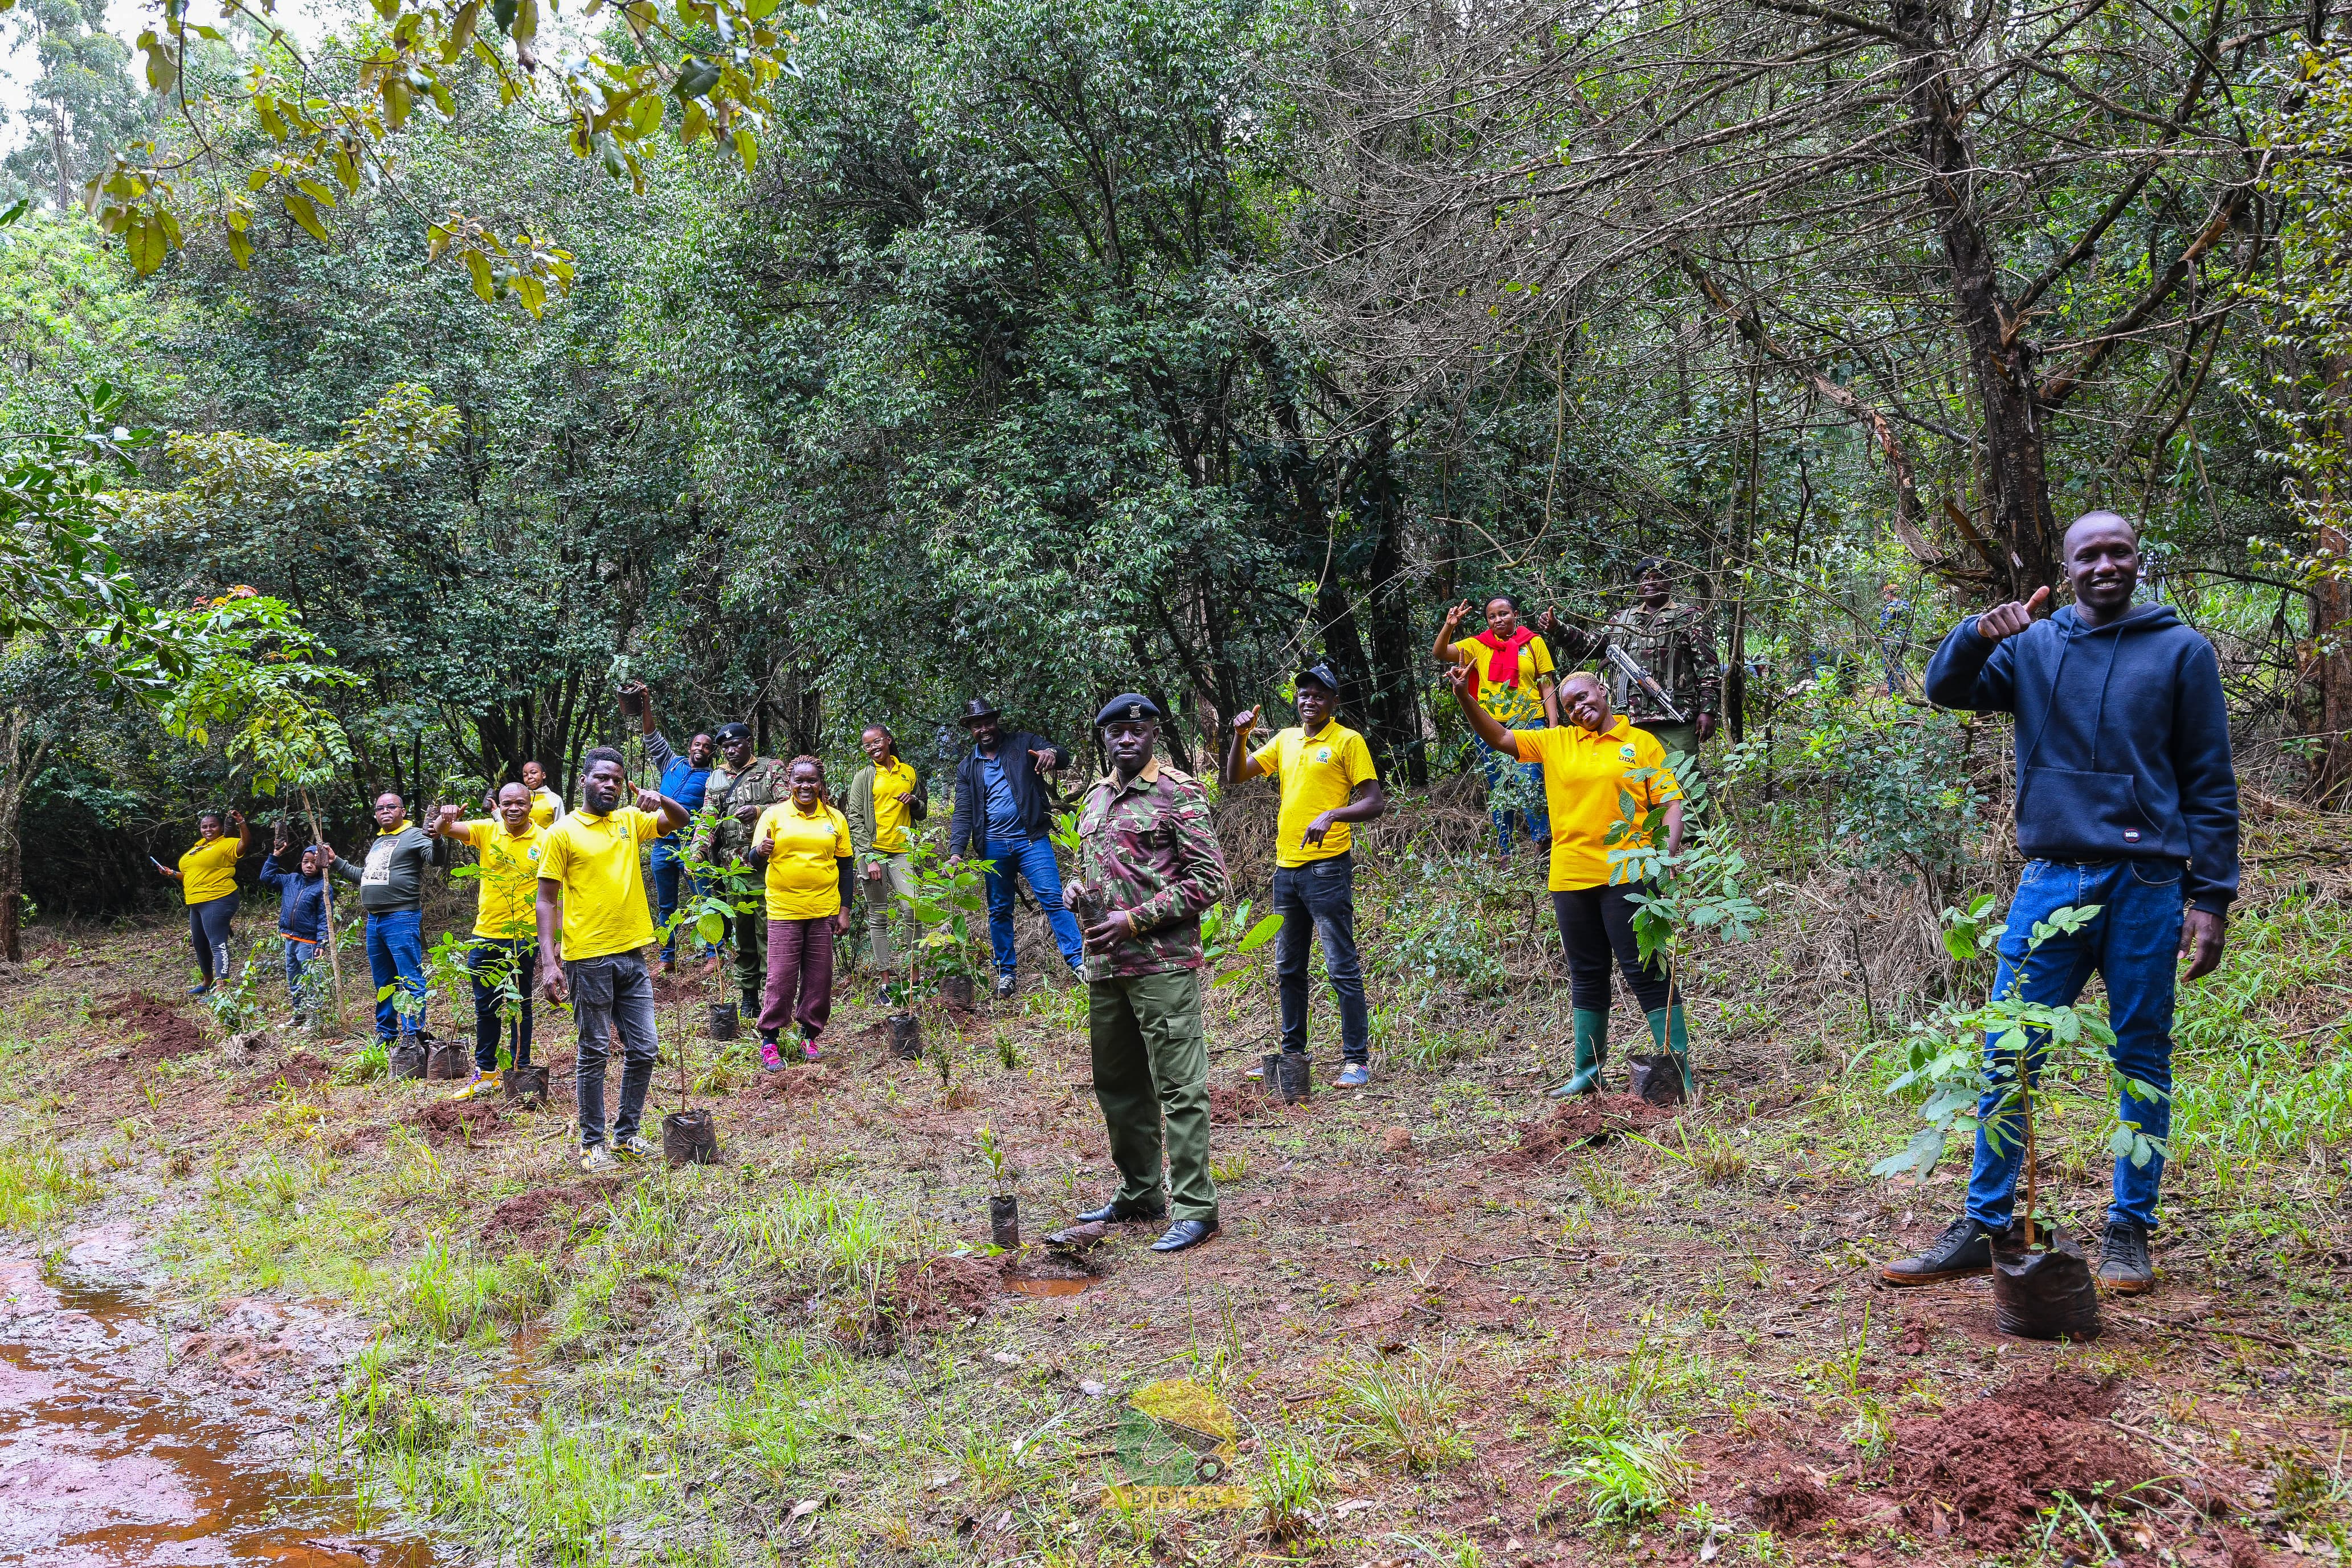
1672,1036
1592,1054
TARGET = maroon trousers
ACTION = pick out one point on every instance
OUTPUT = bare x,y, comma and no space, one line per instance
800,974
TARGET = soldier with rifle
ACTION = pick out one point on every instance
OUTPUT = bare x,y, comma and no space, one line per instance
742,784
1665,675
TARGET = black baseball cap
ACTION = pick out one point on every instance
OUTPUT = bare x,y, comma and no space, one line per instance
1320,672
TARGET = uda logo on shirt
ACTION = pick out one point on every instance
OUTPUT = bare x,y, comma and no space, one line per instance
1322,753
1626,753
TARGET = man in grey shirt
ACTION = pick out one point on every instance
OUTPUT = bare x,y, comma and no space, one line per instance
392,897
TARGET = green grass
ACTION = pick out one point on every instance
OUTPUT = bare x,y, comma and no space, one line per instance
37,1186
1400,1409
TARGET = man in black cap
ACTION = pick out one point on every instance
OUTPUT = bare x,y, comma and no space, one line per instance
1327,783
1148,865
1004,814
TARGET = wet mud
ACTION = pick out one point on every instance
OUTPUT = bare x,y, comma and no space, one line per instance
126,1440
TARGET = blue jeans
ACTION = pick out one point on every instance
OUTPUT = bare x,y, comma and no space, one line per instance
1033,858
299,956
670,875
518,956
1320,895
2133,945
1498,767
395,950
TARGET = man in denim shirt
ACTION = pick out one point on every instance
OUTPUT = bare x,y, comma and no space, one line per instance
1004,813
2127,801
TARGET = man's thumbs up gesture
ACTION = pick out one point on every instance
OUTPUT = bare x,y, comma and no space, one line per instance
2008,620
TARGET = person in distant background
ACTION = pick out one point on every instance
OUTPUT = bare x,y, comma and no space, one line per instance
505,946
391,900
1893,636
1515,685
207,879
741,786
1004,814
303,905
546,805
684,779
886,800
1328,784
805,844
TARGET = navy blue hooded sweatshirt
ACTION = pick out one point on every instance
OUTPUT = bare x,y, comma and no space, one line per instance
2122,744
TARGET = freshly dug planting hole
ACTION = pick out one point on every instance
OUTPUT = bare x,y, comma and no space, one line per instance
1589,1119
934,1294
1994,1462
303,1071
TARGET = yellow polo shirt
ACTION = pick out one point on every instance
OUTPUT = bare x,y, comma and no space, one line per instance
208,871
507,890
1520,703
1316,776
892,821
598,863
803,881
1583,775
546,805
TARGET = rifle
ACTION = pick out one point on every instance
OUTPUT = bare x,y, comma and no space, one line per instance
1630,668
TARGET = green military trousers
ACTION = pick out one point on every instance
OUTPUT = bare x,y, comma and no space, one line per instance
1151,1061
1681,739
750,940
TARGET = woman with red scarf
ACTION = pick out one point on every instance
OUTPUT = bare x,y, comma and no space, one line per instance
1515,685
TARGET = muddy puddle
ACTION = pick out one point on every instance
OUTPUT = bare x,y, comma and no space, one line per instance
123,1441
1018,1286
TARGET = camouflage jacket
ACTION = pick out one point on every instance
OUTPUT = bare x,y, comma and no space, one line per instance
762,783
1676,646
1148,847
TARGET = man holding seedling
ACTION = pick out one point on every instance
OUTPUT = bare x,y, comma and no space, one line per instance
2127,804
1327,784
1149,867
592,893
505,945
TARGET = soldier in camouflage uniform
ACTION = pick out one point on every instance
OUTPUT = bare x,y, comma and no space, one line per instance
741,786
1148,865
1674,642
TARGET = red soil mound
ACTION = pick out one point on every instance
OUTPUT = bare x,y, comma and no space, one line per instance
934,1294
1993,1463
451,1121
1588,1118
303,1070
535,1218
166,1036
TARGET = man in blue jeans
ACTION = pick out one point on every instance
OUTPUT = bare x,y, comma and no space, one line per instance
1328,784
392,897
2125,801
1004,814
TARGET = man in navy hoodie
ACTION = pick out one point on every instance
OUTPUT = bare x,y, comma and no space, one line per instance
2125,800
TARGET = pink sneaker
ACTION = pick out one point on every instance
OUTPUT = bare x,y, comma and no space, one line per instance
771,1061
809,1051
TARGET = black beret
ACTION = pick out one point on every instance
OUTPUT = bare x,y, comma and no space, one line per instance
1127,705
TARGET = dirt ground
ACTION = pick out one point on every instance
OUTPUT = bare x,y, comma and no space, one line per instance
1451,1322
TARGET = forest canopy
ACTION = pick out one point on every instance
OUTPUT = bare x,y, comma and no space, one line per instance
840,371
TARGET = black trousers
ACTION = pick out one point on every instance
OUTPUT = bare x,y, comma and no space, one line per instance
520,956
1593,923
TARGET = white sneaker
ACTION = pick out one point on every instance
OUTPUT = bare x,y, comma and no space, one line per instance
596,1157
635,1146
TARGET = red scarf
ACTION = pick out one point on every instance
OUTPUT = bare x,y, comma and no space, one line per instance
1502,669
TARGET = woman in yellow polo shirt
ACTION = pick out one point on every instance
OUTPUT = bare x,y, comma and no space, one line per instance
805,844
1586,763
207,879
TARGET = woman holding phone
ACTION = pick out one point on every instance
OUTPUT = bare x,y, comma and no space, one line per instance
207,879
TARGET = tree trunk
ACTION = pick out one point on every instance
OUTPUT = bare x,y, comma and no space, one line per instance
17,766
2331,640
1394,708
2018,499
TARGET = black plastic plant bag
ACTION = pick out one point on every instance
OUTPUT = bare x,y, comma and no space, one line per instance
2045,1294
